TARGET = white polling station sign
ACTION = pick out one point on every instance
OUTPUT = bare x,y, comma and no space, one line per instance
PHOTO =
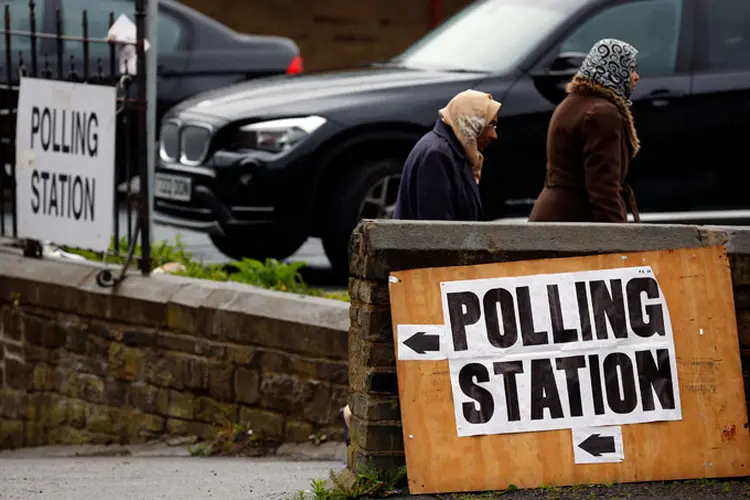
555,351
65,162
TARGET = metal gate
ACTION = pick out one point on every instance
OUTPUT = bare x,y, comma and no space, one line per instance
54,55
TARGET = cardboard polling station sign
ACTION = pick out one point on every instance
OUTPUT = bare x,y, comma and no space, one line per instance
596,369
65,162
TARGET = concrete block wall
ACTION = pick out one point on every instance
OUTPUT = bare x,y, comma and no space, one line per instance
162,357
380,247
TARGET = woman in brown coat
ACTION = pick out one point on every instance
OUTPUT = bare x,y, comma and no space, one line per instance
591,140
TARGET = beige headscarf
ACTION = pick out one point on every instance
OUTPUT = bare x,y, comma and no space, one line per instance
468,114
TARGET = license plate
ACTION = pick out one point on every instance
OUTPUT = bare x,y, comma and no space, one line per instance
173,187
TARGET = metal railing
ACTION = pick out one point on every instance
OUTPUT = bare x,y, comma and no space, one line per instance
58,56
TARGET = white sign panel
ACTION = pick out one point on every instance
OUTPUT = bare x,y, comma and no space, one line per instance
65,162
559,351
596,445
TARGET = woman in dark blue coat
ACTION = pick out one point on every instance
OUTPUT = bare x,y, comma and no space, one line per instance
440,176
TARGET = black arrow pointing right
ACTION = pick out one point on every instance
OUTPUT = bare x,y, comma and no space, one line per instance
421,343
595,445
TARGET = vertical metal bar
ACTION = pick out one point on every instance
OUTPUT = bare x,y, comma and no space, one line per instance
8,100
12,147
72,73
60,42
85,21
143,192
116,208
32,22
152,15
128,136
46,72
112,58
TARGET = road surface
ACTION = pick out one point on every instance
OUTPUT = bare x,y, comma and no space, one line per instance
131,478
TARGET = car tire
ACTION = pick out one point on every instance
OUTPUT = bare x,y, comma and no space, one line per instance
359,196
260,247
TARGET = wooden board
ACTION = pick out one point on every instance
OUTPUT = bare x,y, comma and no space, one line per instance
711,440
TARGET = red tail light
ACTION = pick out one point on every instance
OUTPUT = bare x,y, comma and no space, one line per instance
295,66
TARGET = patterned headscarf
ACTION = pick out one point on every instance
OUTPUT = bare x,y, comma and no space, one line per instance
468,114
610,63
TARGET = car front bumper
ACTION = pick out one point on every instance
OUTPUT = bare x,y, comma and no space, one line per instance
231,192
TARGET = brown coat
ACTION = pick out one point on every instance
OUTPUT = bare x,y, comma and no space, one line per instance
590,142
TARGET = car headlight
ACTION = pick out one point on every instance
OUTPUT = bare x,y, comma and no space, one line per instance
278,136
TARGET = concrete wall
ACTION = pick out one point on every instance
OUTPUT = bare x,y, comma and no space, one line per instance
162,356
332,33
377,248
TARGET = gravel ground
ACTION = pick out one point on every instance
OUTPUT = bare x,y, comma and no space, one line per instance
703,489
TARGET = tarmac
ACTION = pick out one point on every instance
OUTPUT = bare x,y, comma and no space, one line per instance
155,472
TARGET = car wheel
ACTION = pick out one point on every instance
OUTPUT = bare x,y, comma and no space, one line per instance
261,246
368,193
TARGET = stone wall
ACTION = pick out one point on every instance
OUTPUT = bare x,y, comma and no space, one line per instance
162,356
333,33
378,248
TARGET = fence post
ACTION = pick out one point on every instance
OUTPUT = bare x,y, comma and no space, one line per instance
152,17
144,194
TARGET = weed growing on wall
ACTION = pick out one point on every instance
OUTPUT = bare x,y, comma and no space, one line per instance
271,274
370,483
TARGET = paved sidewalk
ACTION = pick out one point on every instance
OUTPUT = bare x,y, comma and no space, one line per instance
169,478
159,471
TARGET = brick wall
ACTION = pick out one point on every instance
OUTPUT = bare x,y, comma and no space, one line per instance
332,33
162,356
378,248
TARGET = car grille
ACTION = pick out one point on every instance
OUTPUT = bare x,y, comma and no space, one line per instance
194,141
187,143
170,141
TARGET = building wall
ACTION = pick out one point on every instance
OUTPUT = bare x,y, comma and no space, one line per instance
333,33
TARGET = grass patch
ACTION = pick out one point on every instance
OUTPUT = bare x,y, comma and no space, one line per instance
271,274
370,483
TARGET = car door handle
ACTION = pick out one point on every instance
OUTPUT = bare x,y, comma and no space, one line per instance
660,98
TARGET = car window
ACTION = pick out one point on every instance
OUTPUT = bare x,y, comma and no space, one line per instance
728,35
19,21
488,35
652,27
169,29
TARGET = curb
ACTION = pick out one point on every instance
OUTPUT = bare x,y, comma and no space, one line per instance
301,452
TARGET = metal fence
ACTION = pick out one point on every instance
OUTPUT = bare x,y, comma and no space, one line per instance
59,56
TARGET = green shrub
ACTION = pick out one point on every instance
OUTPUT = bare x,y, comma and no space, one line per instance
271,274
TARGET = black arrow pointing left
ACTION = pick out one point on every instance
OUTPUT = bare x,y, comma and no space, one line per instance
422,343
597,444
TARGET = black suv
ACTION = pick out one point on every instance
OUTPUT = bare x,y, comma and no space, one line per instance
264,165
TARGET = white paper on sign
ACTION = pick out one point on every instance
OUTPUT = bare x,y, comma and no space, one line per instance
124,30
421,342
65,153
596,445
560,351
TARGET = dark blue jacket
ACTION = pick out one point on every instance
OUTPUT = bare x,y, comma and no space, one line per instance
437,183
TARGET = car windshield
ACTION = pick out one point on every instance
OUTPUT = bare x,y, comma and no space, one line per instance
488,36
